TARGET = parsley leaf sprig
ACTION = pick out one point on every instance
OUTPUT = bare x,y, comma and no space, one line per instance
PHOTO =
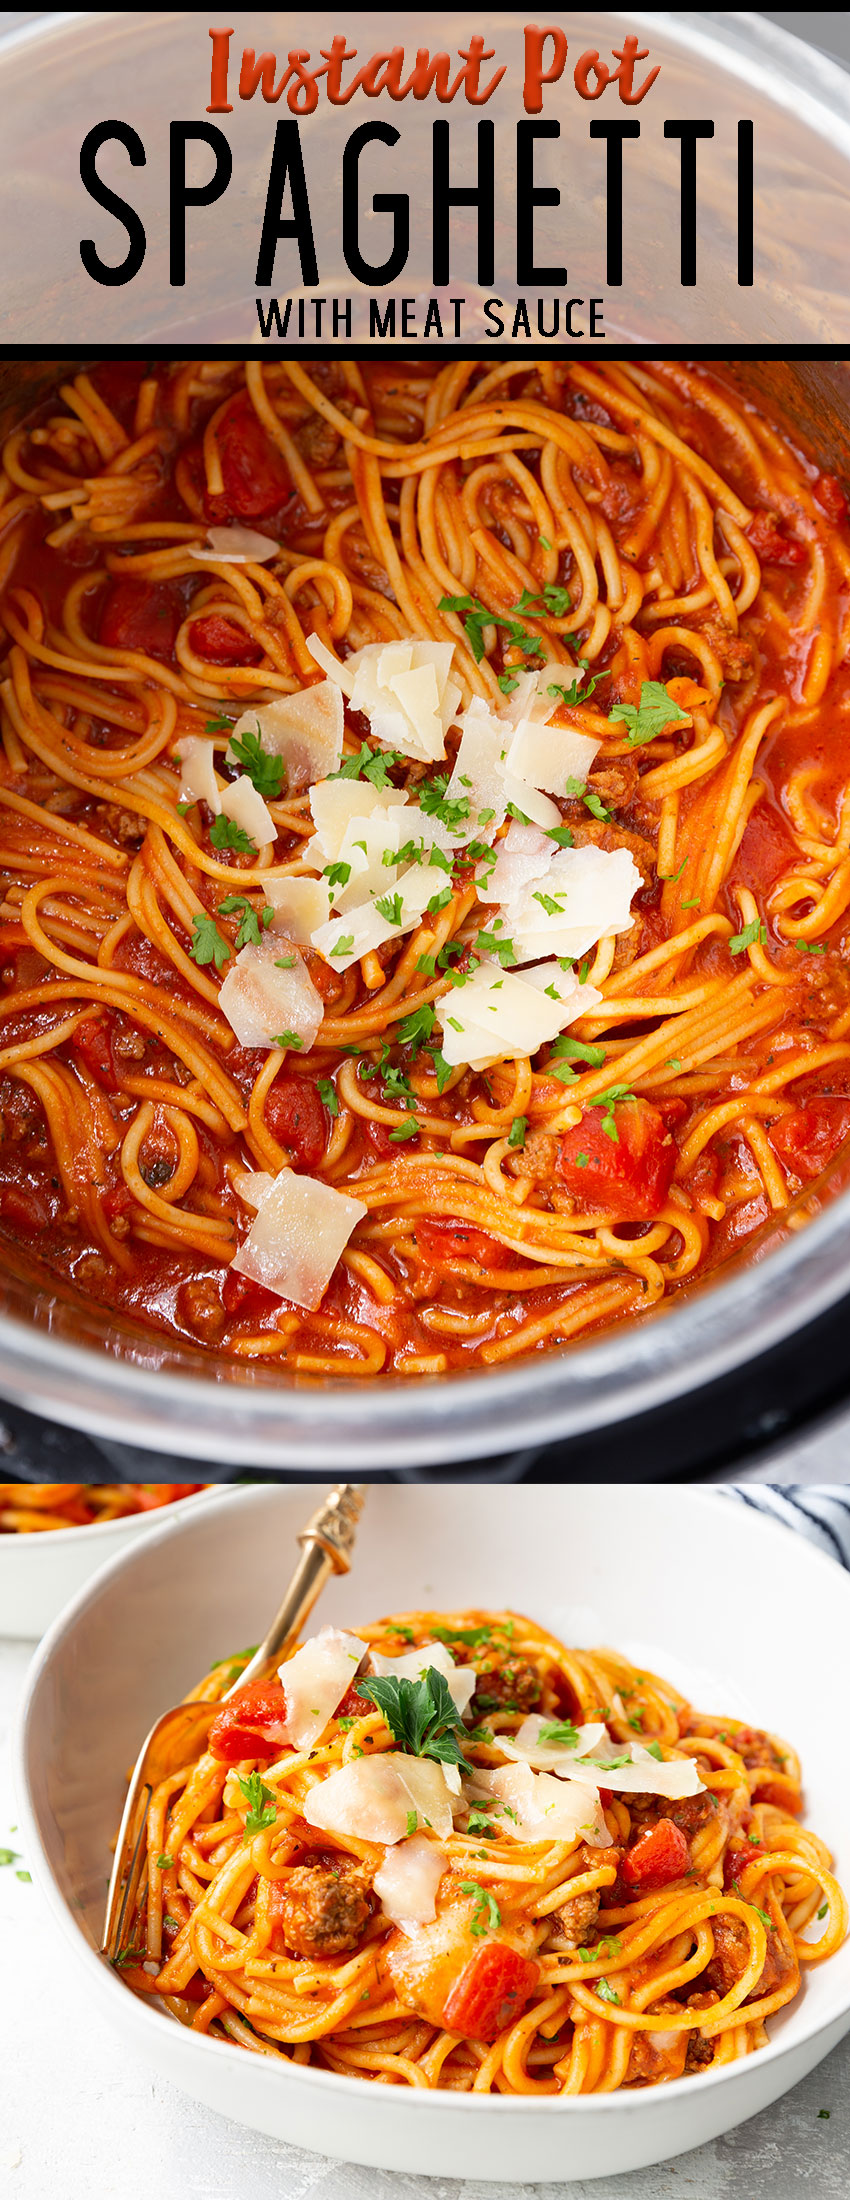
368,763
420,1714
266,772
262,1803
655,710
225,833
486,1914
251,926
208,943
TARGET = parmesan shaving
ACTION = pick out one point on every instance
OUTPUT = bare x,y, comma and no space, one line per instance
241,802
300,904
234,546
537,1807
373,1798
499,1015
301,1228
406,1885
261,1000
198,782
404,690
315,1681
306,729
627,1768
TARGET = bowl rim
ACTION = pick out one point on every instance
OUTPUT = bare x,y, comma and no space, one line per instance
703,1503
63,1539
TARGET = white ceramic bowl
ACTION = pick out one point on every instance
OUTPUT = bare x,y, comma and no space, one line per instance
644,1568
39,1572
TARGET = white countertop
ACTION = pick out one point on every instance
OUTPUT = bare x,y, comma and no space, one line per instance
78,2123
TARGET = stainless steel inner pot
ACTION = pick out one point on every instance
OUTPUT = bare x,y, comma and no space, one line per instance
77,1364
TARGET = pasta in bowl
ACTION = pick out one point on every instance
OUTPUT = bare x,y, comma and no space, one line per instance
448,1852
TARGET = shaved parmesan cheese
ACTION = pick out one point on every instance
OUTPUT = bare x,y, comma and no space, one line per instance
361,929
293,1246
306,729
246,807
478,779
523,857
550,755
235,545
337,803
627,1768
261,1000
315,1681
545,1809
299,904
251,1185
583,894
372,1798
406,1885
500,1014
404,690
461,1678
198,782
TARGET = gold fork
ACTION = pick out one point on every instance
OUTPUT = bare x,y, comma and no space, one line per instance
180,1735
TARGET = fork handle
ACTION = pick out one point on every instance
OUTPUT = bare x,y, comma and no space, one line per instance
327,1543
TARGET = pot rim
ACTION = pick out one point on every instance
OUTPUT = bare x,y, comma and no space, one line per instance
430,1420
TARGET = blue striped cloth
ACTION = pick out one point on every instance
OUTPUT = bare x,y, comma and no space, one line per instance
822,1513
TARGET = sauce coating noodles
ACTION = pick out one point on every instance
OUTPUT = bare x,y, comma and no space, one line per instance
662,533
553,1965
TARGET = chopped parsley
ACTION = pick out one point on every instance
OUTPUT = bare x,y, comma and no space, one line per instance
518,1130
410,1129
287,1040
219,725
486,1914
751,933
564,1051
812,947
416,1027
412,1821
344,946
251,926
561,835
476,618
337,874
420,1714
372,764
208,944
606,1992
440,900
165,1863
326,1090
262,1805
265,772
577,692
225,833
608,1101
390,907
560,1731
655,710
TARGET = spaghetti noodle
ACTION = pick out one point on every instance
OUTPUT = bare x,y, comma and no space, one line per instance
623,533
649,1933
34,1508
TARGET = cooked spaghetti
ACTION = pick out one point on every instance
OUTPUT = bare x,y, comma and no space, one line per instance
634,1913
635,557
33,1508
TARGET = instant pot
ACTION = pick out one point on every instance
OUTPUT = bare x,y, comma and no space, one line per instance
758,1347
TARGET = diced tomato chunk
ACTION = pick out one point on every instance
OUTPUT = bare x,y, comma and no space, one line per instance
440,1238
221,642
25,1206
659,1854
93,1043
256,476
252,1724
808,1138
296,1118
242,1298
629,1176
142,615
736,1860
493,1987
828,493
767,848
770,545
